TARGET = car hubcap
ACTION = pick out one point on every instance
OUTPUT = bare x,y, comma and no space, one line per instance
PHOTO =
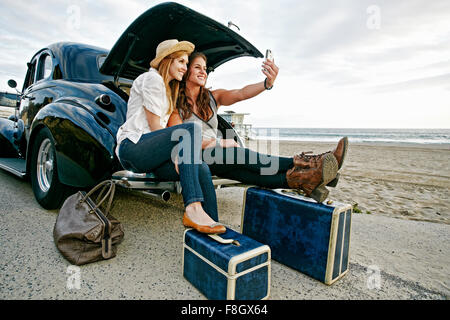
45,165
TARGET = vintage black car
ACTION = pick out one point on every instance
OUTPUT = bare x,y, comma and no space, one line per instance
74,99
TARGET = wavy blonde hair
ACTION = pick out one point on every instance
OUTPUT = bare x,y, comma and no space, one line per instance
172,87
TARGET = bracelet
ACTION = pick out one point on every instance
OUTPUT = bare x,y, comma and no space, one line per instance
218,141
265,85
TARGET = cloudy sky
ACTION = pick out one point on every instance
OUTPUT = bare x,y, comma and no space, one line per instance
343,63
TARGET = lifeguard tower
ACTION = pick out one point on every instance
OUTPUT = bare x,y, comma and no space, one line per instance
237,122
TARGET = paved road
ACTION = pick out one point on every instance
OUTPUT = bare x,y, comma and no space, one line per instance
390,258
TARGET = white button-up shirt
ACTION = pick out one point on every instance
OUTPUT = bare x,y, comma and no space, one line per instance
148,91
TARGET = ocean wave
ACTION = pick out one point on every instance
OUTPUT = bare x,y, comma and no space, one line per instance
413,136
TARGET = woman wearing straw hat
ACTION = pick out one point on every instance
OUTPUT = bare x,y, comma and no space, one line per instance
144,144
311,173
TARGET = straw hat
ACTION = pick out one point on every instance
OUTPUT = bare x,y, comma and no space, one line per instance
168,47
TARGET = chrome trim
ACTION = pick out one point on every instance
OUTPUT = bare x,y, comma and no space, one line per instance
13,171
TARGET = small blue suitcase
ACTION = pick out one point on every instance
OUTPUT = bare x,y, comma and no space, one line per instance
311,237
234,271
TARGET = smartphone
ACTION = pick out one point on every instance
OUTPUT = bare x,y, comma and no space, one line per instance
269,55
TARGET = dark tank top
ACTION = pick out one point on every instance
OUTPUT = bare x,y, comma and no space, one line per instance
209,127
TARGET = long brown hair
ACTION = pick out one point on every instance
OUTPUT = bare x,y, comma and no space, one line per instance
172,87
185,104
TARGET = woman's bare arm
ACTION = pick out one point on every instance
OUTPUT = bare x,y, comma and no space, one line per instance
153,120
228,97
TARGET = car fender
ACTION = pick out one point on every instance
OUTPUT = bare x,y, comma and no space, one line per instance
84,147
8,149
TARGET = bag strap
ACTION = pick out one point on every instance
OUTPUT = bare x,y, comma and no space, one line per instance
102,192
98,186
112,191
109,193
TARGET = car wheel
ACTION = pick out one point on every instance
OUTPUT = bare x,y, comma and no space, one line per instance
48,190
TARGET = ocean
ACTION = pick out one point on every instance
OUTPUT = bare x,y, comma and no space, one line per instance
409,136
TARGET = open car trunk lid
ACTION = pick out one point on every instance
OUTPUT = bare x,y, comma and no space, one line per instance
132,53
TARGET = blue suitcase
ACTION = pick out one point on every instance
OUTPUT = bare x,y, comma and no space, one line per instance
311,237
235,271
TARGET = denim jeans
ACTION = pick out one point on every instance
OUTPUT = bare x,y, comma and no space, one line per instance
154,151
248,166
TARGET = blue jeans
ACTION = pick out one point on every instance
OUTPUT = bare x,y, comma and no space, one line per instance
154,151
245,165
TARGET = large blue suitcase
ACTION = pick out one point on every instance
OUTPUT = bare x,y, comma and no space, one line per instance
311,237
238,271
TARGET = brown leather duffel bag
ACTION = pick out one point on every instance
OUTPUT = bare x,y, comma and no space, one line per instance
83,233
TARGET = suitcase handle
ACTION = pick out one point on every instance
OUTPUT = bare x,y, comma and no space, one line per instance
224,241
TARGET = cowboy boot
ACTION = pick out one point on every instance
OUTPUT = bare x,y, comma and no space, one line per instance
313,180
304,160
341,151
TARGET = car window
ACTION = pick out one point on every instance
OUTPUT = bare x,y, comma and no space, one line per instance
100,60
45,67
29,78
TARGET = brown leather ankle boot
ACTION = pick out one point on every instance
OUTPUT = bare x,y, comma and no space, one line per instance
313,180
304,160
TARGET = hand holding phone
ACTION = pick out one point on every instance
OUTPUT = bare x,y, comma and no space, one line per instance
272,73
269,55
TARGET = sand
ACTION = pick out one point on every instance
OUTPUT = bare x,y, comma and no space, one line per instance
404,181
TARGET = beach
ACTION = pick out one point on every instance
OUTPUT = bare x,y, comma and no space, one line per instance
401,237
5,112
404,181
